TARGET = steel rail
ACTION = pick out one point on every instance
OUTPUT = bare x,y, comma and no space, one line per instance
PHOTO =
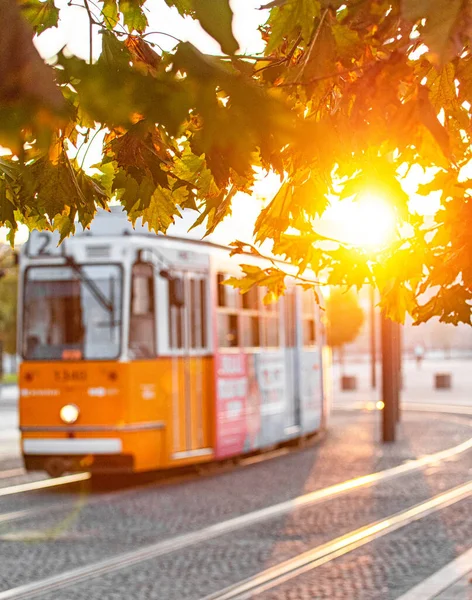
43,484
183,541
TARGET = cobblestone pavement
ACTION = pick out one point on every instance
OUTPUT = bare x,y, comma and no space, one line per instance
82,532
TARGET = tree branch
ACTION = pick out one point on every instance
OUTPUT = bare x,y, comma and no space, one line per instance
313,41
91,23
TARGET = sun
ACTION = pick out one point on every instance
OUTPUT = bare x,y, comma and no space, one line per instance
368,221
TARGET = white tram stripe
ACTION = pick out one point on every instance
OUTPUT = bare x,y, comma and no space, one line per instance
72,446
128,559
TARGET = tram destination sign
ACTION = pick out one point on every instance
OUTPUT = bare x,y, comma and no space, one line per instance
44,244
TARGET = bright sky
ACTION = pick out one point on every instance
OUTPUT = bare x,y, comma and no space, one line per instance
72,32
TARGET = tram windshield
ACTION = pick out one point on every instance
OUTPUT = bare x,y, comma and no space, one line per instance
72,312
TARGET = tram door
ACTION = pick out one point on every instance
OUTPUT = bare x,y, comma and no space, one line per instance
292,367
191,367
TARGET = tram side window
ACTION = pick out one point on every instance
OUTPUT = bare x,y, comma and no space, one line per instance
251,335
308,318
290,318
197,313
227,314
227,295
142,335
227,330
250,321
176,322
271,325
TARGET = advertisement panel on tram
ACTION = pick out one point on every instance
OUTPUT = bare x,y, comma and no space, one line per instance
269,369
231,392
311,389
250,402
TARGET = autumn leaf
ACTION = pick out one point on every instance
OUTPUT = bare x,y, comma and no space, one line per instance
41,14
216,18
25,82
396,301
291,19
162,209
110,12
441,22
133,15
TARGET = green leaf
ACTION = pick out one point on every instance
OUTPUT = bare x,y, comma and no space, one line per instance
110,13
8,168
133,196
7,209
162,99
162,209
441,21
133,15
60,187
40,14
216,18
26,84
114,54
106,177
65,224
185,7
291,19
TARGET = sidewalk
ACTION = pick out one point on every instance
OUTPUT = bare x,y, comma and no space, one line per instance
453,582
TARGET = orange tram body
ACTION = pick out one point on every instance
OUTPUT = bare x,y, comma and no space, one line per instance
134,357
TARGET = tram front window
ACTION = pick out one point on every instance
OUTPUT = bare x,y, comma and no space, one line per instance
72,312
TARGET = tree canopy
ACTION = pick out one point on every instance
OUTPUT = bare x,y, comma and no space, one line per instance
346,96
8,303
345,317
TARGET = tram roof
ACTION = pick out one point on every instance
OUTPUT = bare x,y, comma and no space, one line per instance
115,223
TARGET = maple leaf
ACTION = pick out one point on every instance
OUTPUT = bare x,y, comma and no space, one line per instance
162,209
133,15
41,14
441,21
291,19
110,12
216,18
396,301
26,83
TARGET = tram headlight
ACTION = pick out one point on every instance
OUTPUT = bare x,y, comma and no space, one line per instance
69,413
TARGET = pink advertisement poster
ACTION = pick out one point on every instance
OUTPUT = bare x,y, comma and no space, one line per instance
231,392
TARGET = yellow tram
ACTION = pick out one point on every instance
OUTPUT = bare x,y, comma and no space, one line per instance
135,358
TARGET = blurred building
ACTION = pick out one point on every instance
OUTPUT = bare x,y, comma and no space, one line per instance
438,339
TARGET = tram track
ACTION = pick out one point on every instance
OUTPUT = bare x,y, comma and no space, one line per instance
42,484
310,559
307,561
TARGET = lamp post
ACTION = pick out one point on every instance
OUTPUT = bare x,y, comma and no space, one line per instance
391,377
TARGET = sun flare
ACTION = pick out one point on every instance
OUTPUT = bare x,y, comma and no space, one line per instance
368,222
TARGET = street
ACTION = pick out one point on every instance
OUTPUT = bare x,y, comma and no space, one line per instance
343,517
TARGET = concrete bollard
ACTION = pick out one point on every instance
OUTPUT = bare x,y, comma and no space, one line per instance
442,381
348,383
